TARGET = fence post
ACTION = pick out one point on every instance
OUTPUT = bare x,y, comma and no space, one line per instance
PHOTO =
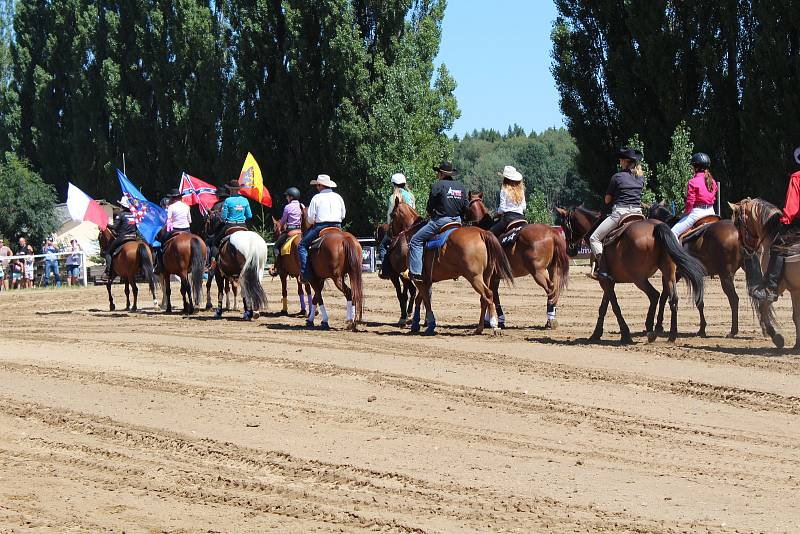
84,268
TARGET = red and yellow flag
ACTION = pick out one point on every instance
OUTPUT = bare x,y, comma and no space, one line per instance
252,183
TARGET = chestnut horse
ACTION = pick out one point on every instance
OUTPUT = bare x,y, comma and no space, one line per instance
718,249
184,255
133,258
470,252
242,257
289,266
397,262
644,248
539,250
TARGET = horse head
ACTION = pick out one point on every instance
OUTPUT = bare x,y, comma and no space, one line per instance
380,232
476,212
277,226
756,221
576,223
402,217
105,237
660,212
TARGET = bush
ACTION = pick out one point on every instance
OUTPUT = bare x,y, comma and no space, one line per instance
27,203
537,210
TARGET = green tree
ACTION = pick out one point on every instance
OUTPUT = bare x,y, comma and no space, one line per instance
675,173
27,203
537,211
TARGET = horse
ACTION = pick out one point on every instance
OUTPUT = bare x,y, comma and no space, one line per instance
289,266
539,251
231,285
718,249
131,259
396,262
184,255
242,256
469,251
757,222
645,246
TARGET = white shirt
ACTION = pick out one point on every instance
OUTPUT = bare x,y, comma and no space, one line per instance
179,215
326,207
507,206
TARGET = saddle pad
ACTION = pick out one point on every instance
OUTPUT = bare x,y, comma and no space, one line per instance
234,229
450,226
510,237
286,249
317,243
617,232
440,239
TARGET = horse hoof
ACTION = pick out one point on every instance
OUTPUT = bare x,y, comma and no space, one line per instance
430,331
731,335
134,309
112,307
595,337
551,325
626,340
478,331
778,340
414,327
659,329
497,331
324,326
218,313
309,324
127,308
283,313
301,313
702,333
208,306
651,336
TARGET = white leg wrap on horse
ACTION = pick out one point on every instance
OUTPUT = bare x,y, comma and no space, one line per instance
493,321
311,311
502,318
551,315
324,313
487,316
350,310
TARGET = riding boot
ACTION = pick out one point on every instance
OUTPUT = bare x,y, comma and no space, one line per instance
157,268
768,289
600,270
108,264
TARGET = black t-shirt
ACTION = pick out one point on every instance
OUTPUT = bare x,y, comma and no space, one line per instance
125,225
626,189
448,198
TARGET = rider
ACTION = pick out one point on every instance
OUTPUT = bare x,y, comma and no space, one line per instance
512,200
786,236
179,218
292,219
625,192
215,218
235,211
399,192
701,194
446,203
124,229
325,210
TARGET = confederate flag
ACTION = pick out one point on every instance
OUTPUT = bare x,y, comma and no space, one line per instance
196,191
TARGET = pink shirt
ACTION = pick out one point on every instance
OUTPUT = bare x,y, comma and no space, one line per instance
698,193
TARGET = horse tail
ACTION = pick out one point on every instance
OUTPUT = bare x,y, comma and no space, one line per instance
497,258
255,257
689,268
352,250
146,263
561,259
197,266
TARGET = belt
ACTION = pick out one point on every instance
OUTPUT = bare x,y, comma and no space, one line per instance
293,227
703,206
628,207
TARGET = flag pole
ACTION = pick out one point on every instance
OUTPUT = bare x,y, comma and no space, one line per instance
123,165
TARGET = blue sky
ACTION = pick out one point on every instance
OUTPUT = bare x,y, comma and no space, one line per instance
499,53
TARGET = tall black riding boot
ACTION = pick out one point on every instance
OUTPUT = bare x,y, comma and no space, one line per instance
108,263
768,289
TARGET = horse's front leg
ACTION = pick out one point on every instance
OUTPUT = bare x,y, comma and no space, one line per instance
220,290
127,295
111,306
135,295
733,301
601,316
285,293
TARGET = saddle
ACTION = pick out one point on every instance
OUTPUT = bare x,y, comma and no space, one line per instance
234,229
286,248
509,237
441,238
317,243
624,223
118,248
698,229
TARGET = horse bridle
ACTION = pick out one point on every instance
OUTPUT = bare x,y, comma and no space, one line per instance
747,236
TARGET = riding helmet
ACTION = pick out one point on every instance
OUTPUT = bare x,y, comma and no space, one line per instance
701,160
292,192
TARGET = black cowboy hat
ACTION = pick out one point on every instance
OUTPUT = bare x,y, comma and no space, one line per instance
445,168
175,193
233,184
221,191
630,153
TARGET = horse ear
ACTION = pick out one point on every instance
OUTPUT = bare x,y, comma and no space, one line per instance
732,206
561,211
397,201
662,203
480,195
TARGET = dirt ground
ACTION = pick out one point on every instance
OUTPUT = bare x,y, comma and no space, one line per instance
155,423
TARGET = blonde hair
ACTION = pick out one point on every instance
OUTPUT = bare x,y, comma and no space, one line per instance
635,167
397,193
515,191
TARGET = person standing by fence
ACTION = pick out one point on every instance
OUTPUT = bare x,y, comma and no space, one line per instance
51,263
5,271
25,249
74,261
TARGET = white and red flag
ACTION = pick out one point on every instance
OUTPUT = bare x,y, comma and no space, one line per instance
196,191
82,207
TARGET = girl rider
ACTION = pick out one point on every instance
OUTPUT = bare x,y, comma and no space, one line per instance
399,191
512,200
701,195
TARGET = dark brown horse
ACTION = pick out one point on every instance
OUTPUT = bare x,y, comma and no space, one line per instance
184,255
470,252
718,249
644,248
241,259
231,285
132,259
539,251
289,266
396,262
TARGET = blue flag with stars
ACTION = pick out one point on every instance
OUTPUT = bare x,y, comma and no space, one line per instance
150,217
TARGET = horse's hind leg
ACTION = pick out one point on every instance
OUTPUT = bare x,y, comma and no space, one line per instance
653,295
673,308
549,288
733,299
624,331
402,296
796,318
135,295
185,294
127,295
111,306
601,316
348,295
208,287
284,293
487,304
410,290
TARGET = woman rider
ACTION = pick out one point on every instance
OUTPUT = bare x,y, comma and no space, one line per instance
124,229
292,219
179,219
701,195
512,200
625,193
399,191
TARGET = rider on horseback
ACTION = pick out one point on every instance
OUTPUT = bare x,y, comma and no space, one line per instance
512,200
234,212
325,210
446,203
292,219
215,223
179,218
625,192
399,192
124,229
788,234
701,195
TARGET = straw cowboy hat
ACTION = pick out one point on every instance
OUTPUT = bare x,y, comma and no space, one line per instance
324,179
510,173
124,202
445,168
398,178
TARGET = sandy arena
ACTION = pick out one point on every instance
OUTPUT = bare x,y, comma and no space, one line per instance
155,423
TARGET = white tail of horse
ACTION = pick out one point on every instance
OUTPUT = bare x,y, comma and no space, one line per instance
254,249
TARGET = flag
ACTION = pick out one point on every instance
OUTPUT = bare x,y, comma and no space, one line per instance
150,217
196,191
82,207
252,183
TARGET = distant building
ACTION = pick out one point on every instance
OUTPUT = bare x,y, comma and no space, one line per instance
84,232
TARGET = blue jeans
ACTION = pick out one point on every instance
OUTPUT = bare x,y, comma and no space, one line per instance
308,237
417,244
51,265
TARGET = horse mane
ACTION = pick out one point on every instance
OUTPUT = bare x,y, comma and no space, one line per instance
586,211
767,214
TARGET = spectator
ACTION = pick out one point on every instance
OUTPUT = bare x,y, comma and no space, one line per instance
51,262
25,249
74,262
5,265
16,274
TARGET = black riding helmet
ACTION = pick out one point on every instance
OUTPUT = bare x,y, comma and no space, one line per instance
701,160
292,192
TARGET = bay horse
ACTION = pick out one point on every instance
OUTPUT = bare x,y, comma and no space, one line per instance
289,266
469,252
134,257
539,251
646,246
396,262
718,249
183,255
242,256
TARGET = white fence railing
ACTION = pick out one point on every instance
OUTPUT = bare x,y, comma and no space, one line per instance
31,260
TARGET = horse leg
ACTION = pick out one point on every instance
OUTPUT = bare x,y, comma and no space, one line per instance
796,318
312,306
208,288
654,296
111,306
415,318
662,302
348,295
733,299
135,295
402,295
430,318
284,294
544,281
184,293
411,290
220,289
487,304
625,332
673,308
301,295
601,316
127,295
167,292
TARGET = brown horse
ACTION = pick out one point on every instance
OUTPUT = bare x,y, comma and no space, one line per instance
289,266
242,257
717,248
133,258
231,285
184,255
645,247
396,262
539,250
470,252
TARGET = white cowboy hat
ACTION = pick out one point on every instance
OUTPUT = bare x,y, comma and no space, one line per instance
797,155
324,179
510,173
398,178
124,202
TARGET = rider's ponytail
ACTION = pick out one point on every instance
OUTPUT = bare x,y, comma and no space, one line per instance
636,169
709,181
